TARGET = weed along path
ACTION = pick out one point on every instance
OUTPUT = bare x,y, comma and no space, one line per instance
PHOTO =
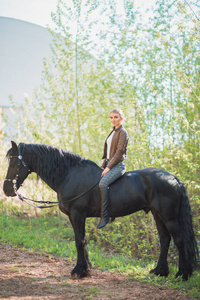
35,275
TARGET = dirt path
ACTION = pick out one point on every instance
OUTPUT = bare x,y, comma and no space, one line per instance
26,275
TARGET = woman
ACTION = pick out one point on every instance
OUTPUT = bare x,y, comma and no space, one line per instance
113,164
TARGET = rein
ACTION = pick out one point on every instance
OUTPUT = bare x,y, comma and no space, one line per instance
76,197
24,199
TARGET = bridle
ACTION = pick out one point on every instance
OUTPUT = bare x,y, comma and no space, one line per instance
25,199
14,182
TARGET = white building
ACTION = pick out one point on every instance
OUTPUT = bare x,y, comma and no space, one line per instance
23,47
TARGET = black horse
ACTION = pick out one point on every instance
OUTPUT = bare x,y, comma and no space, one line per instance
75,180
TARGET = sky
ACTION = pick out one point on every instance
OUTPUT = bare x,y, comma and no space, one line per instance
34,11
39,11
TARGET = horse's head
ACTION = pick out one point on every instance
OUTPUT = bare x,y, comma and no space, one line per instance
17,171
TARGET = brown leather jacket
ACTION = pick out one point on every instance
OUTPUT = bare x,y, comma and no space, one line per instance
118,147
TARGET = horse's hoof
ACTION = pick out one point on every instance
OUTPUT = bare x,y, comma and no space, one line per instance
159,271
79,272
183,276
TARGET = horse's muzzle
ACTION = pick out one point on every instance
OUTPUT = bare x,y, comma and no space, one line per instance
8,189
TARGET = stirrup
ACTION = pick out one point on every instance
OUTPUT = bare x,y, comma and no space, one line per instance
103,223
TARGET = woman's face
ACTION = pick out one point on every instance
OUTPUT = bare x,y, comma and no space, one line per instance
115,119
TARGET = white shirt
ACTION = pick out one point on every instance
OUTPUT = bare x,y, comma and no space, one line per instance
109,142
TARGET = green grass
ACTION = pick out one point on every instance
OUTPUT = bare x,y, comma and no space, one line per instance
51,235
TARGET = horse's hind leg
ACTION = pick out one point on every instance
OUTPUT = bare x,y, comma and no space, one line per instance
185,268
162,265
83,266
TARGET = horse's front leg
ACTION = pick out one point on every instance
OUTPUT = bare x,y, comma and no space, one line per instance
83,266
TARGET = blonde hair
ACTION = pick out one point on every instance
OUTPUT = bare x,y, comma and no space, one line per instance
118,111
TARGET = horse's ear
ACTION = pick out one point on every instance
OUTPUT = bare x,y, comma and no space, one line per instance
14,146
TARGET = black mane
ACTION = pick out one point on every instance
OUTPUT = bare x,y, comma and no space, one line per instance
50,162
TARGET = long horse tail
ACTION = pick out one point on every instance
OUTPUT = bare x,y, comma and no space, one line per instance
190,246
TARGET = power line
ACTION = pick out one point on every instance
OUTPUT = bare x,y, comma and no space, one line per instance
192,9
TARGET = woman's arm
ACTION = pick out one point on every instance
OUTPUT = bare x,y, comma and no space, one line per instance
120,150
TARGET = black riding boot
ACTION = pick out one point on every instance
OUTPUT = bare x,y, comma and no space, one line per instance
104,208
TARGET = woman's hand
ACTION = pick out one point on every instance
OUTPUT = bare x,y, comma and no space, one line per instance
106,170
